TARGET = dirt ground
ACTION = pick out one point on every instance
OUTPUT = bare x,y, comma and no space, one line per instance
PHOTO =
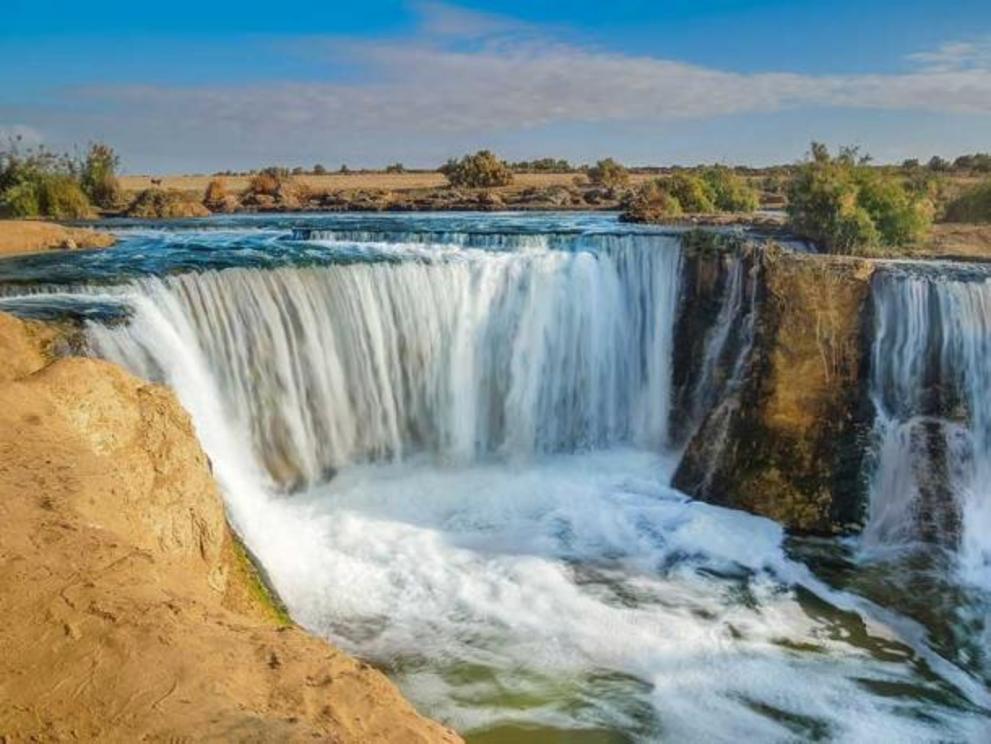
337,181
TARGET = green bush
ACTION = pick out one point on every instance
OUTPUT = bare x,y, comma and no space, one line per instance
608,173
730,192
61,197
21,200
850,208
98,176
974,205
693,193
481,170
57,196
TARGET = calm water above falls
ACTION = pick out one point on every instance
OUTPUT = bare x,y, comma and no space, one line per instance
445,438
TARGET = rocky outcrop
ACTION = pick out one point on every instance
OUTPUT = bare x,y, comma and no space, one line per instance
33,236
130,610
787,436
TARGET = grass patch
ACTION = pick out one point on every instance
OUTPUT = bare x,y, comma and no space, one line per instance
254,581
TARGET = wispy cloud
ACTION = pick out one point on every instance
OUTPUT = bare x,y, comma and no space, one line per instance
956,56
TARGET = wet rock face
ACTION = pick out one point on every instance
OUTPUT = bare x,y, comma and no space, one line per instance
787,437
713,330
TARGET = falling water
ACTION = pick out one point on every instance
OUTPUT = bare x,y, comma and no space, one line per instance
931,385
462,356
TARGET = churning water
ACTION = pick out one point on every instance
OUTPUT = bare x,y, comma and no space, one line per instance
445,438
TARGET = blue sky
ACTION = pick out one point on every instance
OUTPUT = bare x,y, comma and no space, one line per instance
212,85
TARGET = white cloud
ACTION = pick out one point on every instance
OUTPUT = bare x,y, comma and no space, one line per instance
467,74
416,87
956,55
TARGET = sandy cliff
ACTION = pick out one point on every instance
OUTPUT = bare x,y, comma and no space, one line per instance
129,611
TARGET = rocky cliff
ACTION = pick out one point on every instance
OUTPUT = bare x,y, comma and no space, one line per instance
781,430
130,611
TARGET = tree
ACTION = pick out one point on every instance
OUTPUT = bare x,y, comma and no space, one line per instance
319,170
938,164
608,173
395,168
481,170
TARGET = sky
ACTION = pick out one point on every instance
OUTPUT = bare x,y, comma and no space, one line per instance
197,87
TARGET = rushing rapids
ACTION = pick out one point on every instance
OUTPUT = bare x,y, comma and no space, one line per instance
477,419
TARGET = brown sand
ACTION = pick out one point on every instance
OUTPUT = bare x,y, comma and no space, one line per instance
129,613
353,181
30,236
950,239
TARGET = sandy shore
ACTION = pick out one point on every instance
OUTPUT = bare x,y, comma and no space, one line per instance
32,236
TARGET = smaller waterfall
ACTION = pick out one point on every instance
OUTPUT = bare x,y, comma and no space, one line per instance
931,386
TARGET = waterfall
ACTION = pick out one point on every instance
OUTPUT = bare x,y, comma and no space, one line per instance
931,386
463,354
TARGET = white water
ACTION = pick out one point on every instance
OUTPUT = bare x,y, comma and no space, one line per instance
470,355
500,531
931,382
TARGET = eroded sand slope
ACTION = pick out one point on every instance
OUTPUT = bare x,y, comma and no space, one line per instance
128,612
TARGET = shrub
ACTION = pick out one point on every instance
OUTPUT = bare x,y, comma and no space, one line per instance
319,170
21,200
849,208
543,165
608,173
267,182
169,203
974,205
899,216
481,170
652,202
693,193
38,182
61,197
215,197
730,192
98,176
298,170
938,164
395,168
48,195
